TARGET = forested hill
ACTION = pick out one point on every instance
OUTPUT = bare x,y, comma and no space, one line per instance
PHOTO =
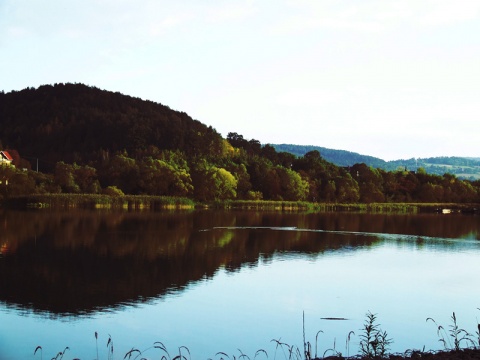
93,141
467,168
72,122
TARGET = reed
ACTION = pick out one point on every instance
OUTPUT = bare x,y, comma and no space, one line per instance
260,351
41,352
455,334
110,348
96,343
347,342
100,201
374,344
58,356
478,332
373,341
293,352
149,202
333,350
285,206
134,354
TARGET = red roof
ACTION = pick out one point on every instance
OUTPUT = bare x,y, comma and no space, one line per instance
6,155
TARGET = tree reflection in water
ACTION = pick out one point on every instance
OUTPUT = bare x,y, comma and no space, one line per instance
80,262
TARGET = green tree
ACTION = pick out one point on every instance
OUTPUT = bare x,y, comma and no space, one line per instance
407,185
15,182
44,183
258,168
430,193
65,178
225,184
390,185
86,179
212,183
317,173
243,178
347,189
329,191
270,153
370,183
121,171
292,186
158,177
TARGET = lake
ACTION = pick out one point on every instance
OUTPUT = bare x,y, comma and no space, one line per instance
204,282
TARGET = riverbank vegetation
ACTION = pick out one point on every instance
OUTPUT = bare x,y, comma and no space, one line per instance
74,139
373,343
150,202
99,201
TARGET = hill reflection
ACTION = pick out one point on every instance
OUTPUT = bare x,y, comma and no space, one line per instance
79,262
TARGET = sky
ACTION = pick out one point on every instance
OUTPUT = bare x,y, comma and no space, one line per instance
390,79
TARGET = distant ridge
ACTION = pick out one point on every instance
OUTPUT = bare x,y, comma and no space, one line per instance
462,167
338,157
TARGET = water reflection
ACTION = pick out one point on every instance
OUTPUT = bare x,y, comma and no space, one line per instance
81,262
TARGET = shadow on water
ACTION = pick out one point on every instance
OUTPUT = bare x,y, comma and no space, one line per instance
80,262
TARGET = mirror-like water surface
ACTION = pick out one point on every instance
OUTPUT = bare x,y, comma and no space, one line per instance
223,281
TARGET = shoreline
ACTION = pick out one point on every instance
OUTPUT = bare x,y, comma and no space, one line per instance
461,354
147,202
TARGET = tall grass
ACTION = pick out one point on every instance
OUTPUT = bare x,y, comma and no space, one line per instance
265,205
100,201
317,207
455,334
373,344
149,202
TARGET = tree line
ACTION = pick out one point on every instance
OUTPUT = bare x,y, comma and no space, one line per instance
244,169
94,141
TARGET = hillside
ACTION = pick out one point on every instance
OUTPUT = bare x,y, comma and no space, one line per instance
90,141
74,122
466,168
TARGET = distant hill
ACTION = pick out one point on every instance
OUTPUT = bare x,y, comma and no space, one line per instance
466,168
74,122
338,157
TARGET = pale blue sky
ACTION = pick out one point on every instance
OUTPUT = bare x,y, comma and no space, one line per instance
392,79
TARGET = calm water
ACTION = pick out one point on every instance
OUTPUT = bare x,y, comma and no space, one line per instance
223,281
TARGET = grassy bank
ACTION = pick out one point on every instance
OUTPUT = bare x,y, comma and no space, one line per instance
148,202
406,208
315,207
95,201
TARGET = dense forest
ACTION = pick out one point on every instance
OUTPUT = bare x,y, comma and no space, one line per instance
71,138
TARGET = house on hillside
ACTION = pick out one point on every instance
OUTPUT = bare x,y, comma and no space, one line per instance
5,158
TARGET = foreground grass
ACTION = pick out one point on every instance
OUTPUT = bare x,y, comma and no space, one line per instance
374,344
